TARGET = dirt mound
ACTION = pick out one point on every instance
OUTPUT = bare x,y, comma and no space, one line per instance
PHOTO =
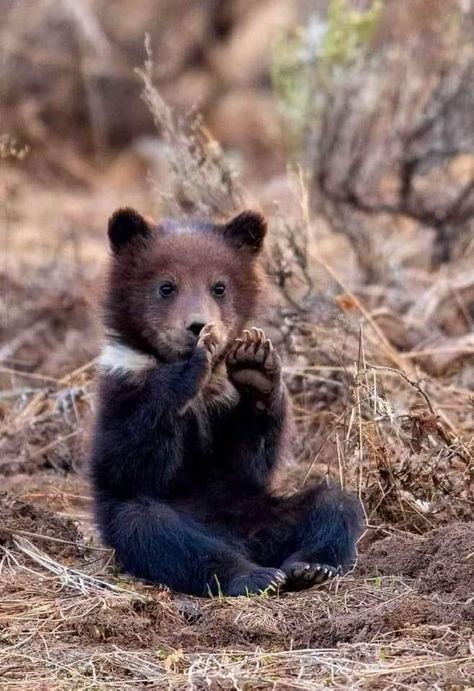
48,337
18,516
58,443
397,617
315,620
441,561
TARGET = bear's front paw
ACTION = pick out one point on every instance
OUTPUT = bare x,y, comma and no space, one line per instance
262,580
200,365
210,341
209,345
253,365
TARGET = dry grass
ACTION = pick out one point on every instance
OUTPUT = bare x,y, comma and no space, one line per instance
62,626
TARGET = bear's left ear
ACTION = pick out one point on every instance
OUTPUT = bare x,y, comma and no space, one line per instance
126,225
248,229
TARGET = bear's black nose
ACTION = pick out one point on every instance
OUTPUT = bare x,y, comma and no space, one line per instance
195,327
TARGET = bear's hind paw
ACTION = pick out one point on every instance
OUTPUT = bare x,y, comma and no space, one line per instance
302,574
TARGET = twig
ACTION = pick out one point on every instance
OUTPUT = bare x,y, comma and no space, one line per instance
415,384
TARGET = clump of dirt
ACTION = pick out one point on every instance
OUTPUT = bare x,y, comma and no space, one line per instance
396,617
129,624
441,561
18,516
48,324
58,443
313,620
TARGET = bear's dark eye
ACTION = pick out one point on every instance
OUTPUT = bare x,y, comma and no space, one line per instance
166,289
218,289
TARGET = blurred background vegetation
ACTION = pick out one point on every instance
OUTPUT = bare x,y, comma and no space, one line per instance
373,98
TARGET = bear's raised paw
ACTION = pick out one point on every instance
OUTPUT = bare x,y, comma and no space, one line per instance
253,365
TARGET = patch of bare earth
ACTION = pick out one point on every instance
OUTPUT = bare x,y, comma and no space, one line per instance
67,616
21,518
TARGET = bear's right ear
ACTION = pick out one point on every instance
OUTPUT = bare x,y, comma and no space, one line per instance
126,225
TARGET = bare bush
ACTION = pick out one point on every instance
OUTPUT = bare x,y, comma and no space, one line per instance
379,143
419,154
202,180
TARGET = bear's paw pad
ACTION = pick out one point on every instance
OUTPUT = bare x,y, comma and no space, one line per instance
253,363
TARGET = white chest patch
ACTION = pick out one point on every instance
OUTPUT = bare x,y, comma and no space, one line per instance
120,359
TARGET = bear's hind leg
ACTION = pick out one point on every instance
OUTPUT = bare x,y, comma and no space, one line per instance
311,536
157,543
324,540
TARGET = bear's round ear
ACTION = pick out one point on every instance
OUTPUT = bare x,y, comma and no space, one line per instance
248,229
126,225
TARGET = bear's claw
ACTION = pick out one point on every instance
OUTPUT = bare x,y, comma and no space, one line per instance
209,340
301,574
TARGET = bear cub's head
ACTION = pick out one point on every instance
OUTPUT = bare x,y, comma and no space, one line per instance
167,281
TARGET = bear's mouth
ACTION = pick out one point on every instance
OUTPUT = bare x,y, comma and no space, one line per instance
171,346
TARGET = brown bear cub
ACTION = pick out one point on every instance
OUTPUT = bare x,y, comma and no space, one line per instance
192,420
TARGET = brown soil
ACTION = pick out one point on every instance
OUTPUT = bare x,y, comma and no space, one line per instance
300,621
402,583
52,324
19,517
442,561
315,619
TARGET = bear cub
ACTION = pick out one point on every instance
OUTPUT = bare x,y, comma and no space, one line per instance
192,420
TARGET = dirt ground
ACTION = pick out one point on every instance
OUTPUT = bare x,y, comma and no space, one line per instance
405,611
